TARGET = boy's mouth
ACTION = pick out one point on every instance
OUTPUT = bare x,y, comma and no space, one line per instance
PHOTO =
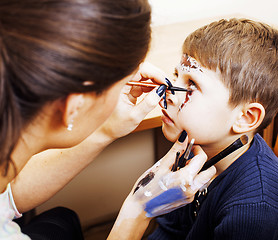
166,118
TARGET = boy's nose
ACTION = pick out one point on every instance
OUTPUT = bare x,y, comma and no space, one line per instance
171,100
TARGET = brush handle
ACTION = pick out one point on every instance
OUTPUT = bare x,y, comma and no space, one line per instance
181,160
142,84
153,85
179,89
228,150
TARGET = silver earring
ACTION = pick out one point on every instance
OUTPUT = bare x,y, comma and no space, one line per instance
70,126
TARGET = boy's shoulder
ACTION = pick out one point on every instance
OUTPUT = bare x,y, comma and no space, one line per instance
261,157
257,159
252,178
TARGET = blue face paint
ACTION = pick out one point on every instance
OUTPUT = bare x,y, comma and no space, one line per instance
154,207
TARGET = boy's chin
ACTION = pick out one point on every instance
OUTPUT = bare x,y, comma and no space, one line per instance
172,135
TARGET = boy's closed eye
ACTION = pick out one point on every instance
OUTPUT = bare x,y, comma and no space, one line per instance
192,85
189,83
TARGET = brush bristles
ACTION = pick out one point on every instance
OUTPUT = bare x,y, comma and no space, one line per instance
244,139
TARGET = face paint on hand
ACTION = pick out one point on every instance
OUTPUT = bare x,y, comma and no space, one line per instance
144,181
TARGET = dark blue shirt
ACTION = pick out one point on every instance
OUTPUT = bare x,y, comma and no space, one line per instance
241,203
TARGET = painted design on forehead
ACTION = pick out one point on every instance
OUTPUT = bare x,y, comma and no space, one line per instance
188,63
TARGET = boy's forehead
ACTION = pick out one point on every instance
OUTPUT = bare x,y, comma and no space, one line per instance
188,63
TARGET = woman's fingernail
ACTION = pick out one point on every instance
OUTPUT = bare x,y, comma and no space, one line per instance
165,101
168,82
182,136
170,85
161,90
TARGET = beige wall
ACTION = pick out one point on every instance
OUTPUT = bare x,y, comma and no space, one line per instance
99,191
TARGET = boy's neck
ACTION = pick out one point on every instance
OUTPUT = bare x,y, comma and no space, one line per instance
224,163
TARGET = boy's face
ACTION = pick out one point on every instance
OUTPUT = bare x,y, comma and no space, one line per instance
206,114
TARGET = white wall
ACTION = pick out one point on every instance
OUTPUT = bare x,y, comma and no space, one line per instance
169,11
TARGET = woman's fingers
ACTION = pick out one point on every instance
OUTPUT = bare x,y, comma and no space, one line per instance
161,190
149,102
197,162
191,172
203,178
176,151
149,71
146,72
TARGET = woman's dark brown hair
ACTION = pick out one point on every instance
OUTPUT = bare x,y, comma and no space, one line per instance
49,48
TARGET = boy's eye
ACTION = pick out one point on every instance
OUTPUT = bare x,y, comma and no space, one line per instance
192,85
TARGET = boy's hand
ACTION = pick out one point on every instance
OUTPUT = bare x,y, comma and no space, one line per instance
128,113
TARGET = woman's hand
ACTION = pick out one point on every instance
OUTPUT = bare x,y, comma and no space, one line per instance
129,112
160,190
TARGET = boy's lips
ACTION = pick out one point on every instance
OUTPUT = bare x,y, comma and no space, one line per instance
166,118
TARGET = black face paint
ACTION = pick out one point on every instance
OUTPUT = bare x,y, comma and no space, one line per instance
144,181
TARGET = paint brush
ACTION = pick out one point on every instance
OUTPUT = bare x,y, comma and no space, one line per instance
181,160
142,84
175,165
153,85
227,151
184,158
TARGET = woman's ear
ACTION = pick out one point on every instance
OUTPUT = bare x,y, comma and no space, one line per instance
250,119
72,105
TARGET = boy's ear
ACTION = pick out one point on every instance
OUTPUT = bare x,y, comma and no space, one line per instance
72,104
251,117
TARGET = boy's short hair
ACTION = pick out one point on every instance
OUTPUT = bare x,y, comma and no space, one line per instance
246,54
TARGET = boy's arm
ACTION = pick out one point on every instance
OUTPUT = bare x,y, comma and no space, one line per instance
254,221
239,222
